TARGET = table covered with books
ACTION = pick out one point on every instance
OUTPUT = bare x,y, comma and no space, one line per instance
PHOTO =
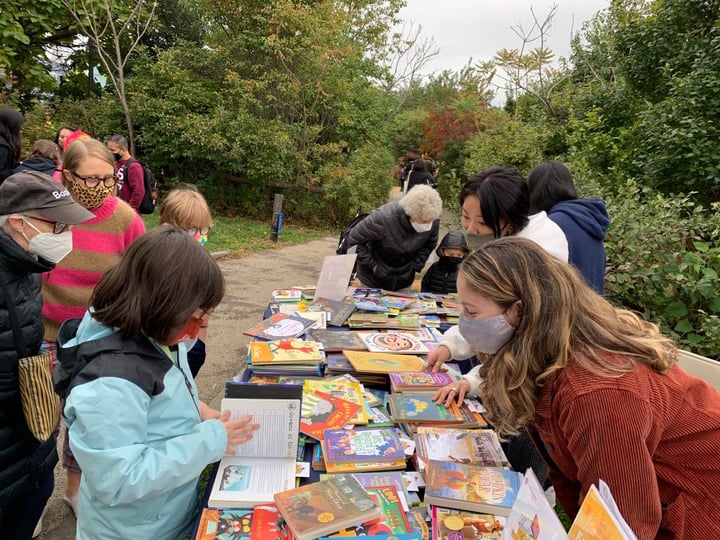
351,442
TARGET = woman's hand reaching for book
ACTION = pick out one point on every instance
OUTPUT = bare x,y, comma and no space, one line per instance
238,431
455,391
437,358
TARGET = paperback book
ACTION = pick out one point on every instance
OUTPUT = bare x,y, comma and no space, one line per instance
361,445
475,446
265,524
392,520
402,381
395,343
338,310
419,407
371,303
462,525
225,524
325,507
280,326
284,351
337,340
321,411
342,388
475,488
372,320
372,362
287,295
266,463
599,518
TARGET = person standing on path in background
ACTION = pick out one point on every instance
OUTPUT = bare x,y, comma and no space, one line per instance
36,214
130,189
11,123
89,175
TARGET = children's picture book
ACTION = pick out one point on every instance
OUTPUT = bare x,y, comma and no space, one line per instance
338,310
337,340
280,326
287,295
337,363
325,507
375,320
342,388
419,407
373,362
476,446
397,302
319,318
265,524
401,381
475,488
284,351
321,411
395,343
371,303
599,518
531,515
266,463
461,525
225,524
386,478
361,445
392,520
335,276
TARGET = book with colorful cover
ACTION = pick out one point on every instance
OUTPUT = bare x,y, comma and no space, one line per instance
371,303
284,351
532,517
287,295
325,507
318,464
265,524
392,520
337,340
321,411
370,320
280,326
475,488
338,363
462,525
338,310
397,302
386,478
394,343
361,445
342,388
599,518
476,446
373,362
225,524
419,407
401,381
319,318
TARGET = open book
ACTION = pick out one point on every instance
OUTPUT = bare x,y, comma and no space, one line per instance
266,464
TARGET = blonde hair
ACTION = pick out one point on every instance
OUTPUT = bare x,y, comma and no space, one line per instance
185,207
560,318
422,202
82,148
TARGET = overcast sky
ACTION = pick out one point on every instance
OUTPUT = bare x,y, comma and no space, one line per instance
479,28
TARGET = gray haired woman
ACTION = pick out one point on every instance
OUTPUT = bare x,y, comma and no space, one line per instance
396,239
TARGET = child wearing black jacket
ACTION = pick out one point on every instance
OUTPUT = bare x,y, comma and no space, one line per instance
441,276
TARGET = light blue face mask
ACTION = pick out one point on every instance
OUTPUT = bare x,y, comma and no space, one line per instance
486,335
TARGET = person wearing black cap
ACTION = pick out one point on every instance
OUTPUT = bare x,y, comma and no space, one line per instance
36,214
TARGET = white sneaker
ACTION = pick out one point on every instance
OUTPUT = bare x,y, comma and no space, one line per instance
38,528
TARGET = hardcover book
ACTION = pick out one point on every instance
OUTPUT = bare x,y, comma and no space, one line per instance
462,525
325,507
321,411
337,340
476,446
284,351
489,490
266,463
338,310
372,362
280,326
225,524
361,445
419,407
401,381
395,343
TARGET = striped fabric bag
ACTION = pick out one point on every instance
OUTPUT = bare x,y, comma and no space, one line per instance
41,406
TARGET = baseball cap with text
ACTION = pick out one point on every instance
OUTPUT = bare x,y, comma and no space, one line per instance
38,193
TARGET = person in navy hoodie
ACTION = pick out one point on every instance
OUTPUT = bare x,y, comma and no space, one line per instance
584,221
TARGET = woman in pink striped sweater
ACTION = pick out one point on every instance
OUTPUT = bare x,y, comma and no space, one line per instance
89,175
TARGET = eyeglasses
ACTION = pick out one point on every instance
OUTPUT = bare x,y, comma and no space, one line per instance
192,231
57,227
92,181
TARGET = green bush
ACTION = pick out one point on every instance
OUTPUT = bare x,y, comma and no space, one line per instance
664,261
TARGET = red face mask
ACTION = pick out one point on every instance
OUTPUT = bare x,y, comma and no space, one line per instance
189,331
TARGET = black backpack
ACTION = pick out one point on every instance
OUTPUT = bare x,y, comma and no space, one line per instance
150,197
342,246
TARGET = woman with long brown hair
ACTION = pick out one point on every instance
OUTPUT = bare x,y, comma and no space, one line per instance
598,387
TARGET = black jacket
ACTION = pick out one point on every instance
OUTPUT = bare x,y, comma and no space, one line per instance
386,239
38,164
417,178
23,459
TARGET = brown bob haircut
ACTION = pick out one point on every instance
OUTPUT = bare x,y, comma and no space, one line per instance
161,280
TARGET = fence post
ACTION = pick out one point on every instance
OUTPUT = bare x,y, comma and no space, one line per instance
277,217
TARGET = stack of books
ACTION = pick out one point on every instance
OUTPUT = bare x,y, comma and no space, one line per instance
285,357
